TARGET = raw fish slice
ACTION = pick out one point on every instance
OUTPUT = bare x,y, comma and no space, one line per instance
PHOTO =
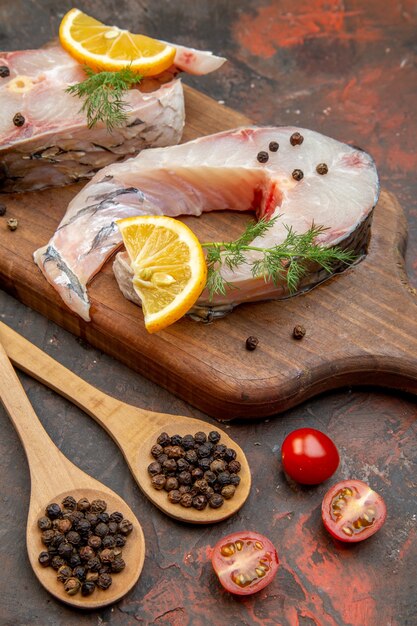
54,146
217,172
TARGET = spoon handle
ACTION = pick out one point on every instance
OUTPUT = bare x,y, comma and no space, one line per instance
97,404
44,458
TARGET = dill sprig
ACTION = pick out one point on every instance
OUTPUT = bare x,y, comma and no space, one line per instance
103,96
287,261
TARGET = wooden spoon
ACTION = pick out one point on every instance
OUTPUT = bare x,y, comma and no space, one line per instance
53,477
133,429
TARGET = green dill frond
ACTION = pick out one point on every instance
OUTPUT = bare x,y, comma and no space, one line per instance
103,96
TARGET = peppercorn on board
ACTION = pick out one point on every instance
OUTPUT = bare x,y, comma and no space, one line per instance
359,324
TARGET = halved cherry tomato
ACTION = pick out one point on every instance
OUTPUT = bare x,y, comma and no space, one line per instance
245,562
352,511
309,456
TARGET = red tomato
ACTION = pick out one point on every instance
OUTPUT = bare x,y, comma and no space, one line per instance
245,562
352,511
308,456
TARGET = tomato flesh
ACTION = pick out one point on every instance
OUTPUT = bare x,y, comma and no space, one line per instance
309,456
352,511
245,562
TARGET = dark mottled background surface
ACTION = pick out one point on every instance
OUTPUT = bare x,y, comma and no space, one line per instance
347,69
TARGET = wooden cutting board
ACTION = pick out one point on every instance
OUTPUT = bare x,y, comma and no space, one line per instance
361,325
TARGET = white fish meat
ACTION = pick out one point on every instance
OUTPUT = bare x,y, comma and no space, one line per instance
212,173
54,146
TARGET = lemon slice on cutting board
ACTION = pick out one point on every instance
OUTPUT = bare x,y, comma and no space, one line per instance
109,48
169,266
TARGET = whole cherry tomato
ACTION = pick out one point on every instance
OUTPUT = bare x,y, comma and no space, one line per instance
309,456
245,562
352,511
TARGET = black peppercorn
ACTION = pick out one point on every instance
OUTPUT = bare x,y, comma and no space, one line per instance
229,455
203,451
251,343
169,466
223,478
191,456
184,478
228,491
170,484
125,527
94,542
296,139
158,481
154,468
65,550
57,540
103,517
12,223
18,120
322,169
200,437
273,146
183,465
94,564
164,440
117,565
214,436
92,518
116,517
64,573
107,555
44,559
217,466
297,175
174,496
4,71
216,501
298,332
109,541
156,450
83,526
44,523
2,209
74,560
234,467
98,506
104,581
86,553
53,511
204,463
73,537
120,541
201,485
184,489
188,442
176,440
101,529
186,500
210,476
87,588
69,503
72,586
64,525
174,452
199,502
91,576
47,536
219,450
262,156
234,480
79,572
83,504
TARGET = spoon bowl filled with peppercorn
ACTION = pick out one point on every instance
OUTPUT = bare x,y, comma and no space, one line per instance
188,470
84,542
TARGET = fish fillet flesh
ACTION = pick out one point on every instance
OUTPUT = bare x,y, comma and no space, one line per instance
54,146
217,172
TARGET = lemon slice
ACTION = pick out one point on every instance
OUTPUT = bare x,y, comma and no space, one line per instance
109,48
169,267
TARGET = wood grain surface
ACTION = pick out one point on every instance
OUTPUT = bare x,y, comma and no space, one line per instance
346,69
360,324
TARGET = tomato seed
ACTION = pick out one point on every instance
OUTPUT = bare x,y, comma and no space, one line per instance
347,531
239,545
